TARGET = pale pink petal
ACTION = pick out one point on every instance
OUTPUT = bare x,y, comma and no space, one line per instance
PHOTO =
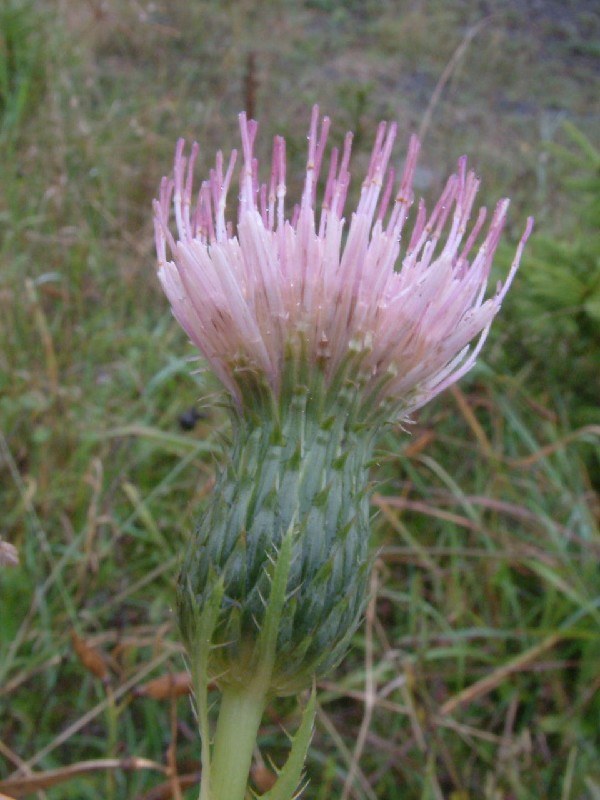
399,325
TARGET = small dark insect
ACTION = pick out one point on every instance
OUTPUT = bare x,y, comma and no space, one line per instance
189,418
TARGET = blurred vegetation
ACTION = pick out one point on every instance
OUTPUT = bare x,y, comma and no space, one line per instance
557,310
476,673
21,63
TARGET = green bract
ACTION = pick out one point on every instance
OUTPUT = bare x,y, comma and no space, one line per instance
300,473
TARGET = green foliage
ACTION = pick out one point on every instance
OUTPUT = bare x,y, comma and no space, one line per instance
556,321
21,60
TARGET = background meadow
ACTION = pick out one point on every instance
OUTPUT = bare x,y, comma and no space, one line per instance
476,672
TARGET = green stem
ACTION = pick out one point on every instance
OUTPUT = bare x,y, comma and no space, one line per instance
239,719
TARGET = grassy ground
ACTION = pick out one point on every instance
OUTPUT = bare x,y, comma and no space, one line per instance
476,673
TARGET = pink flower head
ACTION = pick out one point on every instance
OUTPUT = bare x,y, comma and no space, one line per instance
394,312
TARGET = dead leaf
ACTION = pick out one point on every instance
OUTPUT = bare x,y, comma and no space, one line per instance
92,659
8,557
264,779
172,685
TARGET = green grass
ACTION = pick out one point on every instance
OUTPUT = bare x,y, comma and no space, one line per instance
479,655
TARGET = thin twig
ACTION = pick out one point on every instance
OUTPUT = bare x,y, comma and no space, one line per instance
325,720
93,712
447,74
491,682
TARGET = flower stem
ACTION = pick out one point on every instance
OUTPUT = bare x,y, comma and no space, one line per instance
239,719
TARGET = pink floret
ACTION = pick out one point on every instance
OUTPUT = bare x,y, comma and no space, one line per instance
244,292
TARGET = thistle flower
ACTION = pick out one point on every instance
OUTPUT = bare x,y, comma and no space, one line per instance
253,296
319,337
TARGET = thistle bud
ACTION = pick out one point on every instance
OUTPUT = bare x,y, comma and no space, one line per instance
319,338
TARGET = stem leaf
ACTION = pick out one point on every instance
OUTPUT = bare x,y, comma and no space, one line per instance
286,786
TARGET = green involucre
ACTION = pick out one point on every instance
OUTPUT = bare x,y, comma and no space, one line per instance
301,472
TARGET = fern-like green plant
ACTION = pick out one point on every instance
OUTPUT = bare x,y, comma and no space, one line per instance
556,313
